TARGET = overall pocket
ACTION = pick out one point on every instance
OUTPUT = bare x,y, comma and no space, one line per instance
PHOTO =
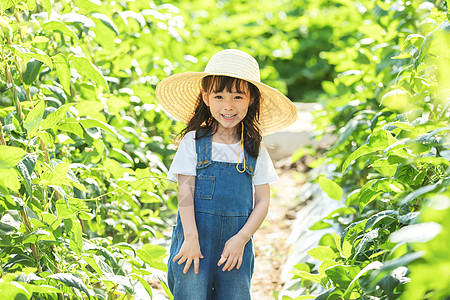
205,187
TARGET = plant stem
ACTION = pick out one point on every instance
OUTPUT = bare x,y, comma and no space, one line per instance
2,137
28,228
45,151
13,91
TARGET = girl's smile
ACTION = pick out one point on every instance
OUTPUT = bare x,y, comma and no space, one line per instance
229,117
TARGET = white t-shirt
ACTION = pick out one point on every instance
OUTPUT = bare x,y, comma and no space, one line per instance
185,160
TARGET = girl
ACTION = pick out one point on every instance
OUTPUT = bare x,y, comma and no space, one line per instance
223,173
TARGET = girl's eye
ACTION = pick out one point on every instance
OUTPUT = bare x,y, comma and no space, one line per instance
218,97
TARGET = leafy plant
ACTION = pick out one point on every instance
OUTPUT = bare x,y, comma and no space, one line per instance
389,108
83,148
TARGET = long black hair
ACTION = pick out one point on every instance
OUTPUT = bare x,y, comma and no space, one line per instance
202,118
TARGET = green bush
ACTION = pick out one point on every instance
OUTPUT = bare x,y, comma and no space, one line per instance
389,107
84,147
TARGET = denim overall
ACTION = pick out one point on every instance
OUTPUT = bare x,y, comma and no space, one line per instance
223,200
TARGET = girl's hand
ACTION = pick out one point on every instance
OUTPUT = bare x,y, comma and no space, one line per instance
232,253
190,251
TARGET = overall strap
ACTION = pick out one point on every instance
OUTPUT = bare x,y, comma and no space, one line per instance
203,149
250,163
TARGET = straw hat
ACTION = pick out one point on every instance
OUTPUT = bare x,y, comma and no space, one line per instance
178,94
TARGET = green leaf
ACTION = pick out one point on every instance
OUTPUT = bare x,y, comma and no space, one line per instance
375,265
320,225
46,138
71,281
435,161
61,27
367,239
37,235
322,253
10,156
153,255
57,91
68,210
5,4
302,267
88,123
339,275
145,284
54,177
78,18
363,150
18,259
367,196
419,192
120,280
327,263
32,71
93,264
121,156
341,211
89,246
346,249
383,166
26,177
308,276
353,229
42,289
74,181
329,88
116,104
71,125
134,15
332,189
89,108
13,289
63,71
9,179
378,140
397,100
107,21
33,118
376,218
104,267
76,238
53,118
48,7
41,56
328,293
86,68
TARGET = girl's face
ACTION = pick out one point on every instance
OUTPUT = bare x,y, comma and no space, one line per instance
228,107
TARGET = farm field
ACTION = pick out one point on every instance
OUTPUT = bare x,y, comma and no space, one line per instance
85,206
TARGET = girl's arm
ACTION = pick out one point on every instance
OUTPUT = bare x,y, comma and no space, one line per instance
234,247
190,250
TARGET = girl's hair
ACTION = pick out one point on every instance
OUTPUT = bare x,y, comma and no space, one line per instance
202,118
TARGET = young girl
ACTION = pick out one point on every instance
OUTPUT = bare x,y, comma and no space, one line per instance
223,173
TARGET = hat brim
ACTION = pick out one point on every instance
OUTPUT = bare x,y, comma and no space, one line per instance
178,95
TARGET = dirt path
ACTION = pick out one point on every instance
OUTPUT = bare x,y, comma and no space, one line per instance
269,241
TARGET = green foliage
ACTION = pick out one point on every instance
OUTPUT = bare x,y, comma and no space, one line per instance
389,106
83,147
286,37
